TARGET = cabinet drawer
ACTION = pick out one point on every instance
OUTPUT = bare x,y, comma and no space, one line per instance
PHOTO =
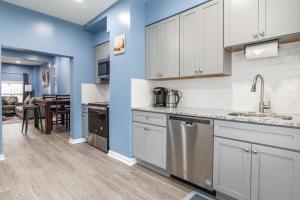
150,118
288,138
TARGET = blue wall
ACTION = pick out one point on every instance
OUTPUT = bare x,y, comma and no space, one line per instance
159,9
123,67
63,75
27,29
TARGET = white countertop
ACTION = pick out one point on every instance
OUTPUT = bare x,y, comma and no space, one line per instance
223,115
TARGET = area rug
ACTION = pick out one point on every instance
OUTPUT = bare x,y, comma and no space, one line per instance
197,196
11,120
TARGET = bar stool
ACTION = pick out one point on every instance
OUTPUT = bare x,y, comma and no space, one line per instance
37,117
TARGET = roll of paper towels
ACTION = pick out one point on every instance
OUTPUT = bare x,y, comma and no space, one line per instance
262,50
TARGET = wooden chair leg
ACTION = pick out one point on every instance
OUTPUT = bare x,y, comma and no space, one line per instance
24,115
40,118
27,118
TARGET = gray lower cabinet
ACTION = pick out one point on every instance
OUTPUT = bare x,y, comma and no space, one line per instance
232,168
85,122
246,170
149,143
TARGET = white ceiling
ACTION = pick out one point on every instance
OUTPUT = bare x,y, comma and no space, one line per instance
17,61
76,11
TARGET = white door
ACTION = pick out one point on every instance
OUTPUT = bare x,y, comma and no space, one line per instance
232,168
275,174
169,47
278,17
240,21
212,50
155,145
190,46
139,140
152,52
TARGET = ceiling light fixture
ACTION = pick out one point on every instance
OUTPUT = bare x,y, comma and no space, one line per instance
17,61
79,0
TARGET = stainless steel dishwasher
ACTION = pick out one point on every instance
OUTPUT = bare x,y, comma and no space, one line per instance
190,150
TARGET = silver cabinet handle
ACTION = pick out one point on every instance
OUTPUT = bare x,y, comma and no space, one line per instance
255,35
246,149
146,129
200,70
196,71
262,33
254,151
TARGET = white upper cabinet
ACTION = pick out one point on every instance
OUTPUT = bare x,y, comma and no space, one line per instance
240,21
249,21
162,49
152,51
201,41
190,46
275,174
169,48
278,18
214,60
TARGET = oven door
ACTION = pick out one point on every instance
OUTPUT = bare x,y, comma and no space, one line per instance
103,68
98,128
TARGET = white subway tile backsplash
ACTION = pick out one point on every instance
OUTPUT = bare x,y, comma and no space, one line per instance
282,84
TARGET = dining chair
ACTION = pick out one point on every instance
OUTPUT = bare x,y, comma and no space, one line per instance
61,112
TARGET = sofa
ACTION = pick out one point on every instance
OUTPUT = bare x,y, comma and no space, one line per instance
19,111
9,104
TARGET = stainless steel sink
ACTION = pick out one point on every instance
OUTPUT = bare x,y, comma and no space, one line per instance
264,115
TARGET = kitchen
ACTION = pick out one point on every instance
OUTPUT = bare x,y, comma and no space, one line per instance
213,103
170,100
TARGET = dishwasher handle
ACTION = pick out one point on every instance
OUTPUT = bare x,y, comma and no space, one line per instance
190,121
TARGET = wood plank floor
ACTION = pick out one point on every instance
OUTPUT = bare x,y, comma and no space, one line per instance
39,167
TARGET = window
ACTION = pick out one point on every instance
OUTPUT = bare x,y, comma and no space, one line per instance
12,88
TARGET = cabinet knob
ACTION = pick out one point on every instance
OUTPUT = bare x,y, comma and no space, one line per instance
262,33
254,151
200,70
196,71
255,35
246,149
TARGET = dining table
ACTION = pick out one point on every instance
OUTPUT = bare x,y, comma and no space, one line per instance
49,104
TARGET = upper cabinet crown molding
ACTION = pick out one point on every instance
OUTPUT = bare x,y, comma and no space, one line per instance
188,45
251,21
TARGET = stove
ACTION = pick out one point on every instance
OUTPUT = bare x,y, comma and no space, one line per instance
99,125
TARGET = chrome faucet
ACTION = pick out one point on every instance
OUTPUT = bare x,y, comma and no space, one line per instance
262,105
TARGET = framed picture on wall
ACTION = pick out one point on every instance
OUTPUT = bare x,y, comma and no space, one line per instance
45,78
120,44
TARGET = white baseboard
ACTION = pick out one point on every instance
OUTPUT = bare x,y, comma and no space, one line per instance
77,141
2,157
124,159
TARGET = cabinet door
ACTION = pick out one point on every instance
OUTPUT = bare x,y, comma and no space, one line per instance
232,168
240,21
139,140
152,52
212,50
278,18
155,145
104,51
169,47
97,57
190,46
275,174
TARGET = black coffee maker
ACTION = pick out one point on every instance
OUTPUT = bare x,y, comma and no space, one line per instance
160,96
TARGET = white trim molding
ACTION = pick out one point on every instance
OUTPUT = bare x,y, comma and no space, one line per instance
2,157
121,158
77,141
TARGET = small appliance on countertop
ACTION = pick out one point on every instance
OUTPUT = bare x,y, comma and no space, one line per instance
160,97
98,124
173,98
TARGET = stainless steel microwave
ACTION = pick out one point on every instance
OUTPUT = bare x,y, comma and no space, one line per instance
104,68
